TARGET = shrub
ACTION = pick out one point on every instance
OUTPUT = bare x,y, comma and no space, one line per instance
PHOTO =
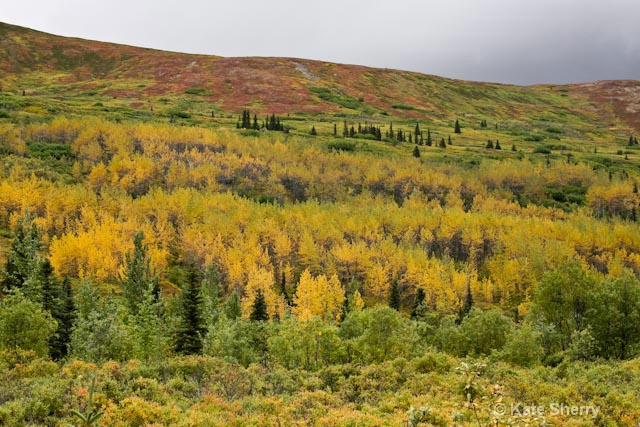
24,325
485,331
523,347
196,91
433,362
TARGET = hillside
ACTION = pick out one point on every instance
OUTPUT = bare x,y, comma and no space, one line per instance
46,65
364,247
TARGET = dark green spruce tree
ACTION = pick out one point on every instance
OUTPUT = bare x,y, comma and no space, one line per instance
457,127
191,328
416,151
467,302
65,314
45,286
259,308
394,296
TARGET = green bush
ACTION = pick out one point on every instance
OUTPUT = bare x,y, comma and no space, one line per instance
342,146
485,331
433,362
196,91
523,347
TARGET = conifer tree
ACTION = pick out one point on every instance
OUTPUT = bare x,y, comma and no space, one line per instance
335,129
313,131
65,316
148,327
457,127
498,147
210,293
489,144
429,140
418,303
467,303
630,141
352,132
44,287
513,148
443,144
23,260
137,276
394,296
233,308
416,151
259,308
391,134
449,140
410,138
345,130
190,328
417,132
283,289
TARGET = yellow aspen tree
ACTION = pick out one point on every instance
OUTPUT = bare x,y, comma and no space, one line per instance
318,296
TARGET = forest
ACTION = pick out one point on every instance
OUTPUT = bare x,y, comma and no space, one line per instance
165,273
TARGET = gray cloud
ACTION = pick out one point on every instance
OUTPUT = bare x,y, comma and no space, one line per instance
511,41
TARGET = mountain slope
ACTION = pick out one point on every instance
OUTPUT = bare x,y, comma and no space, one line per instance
44,64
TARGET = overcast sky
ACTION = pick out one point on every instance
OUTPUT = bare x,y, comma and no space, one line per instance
511,41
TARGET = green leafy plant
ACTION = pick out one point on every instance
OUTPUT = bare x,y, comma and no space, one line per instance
90,416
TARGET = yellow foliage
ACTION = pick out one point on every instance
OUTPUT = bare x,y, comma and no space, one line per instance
318,296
